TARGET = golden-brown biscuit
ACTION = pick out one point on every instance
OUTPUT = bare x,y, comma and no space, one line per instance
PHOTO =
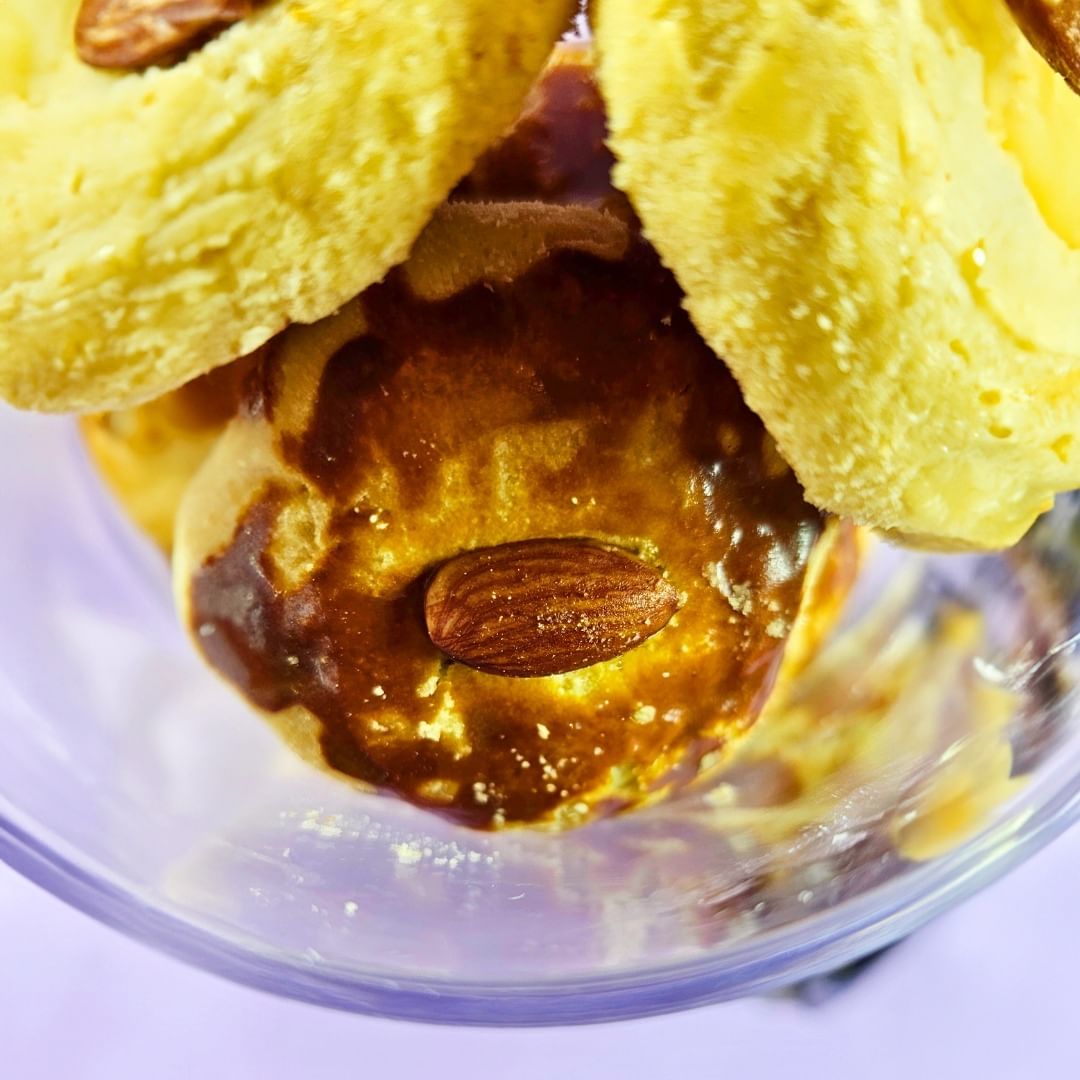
147,455
155,224
874,209
572,399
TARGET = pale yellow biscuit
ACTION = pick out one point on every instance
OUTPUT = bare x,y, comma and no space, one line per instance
155,225
874,208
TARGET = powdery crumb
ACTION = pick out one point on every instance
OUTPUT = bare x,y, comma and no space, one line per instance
739,596
407,853
427,688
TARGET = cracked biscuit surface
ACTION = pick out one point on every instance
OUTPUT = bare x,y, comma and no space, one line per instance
159,223
874,209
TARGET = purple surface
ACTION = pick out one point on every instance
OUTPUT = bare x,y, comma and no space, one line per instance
988,991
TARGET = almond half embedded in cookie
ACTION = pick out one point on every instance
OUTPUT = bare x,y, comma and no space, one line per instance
545,607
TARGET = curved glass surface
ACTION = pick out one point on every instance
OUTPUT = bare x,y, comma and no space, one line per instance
137,787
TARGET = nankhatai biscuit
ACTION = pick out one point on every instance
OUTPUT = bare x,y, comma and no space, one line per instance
874,209
159,221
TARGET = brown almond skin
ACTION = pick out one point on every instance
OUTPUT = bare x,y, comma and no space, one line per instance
134,34
545,607
1054,30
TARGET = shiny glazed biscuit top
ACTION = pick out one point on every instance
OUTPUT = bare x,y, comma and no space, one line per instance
530,373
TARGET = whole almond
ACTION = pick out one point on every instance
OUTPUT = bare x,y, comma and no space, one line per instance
544,607
1053,27
133,34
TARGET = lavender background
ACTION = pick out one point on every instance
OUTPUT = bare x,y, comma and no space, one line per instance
988,991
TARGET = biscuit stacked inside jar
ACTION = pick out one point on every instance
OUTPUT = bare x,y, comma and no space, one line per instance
436,413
